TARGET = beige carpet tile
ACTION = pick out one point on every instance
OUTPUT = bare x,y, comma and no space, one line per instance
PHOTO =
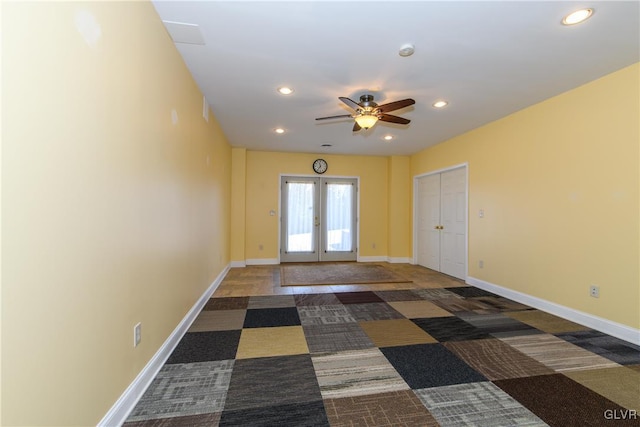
634,367
557,354
419,309
356,373
496,360
393,409
545,322
387,333
218,320
621,385
274,341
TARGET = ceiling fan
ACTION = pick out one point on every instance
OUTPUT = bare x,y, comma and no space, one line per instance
367,112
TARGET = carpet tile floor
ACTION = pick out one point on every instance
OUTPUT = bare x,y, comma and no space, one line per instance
433,352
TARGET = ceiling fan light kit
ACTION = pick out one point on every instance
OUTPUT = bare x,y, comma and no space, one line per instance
367,112
365,121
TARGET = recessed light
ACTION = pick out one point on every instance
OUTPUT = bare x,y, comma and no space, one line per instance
284,90
388,137
278,130
406,50
440,104
577,17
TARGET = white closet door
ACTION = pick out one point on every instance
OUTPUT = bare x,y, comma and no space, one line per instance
453,221
428,221
441,222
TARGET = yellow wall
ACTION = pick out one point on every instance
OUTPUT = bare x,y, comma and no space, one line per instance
558,183
262,187
112,213
238,202
399,207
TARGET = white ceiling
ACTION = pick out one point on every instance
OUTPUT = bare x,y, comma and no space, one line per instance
488,59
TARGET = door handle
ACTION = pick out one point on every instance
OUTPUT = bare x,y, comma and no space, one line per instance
439,227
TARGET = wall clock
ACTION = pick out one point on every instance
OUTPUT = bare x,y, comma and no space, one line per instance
320,166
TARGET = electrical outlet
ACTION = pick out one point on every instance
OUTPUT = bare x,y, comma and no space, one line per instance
137,334
481,264
594,291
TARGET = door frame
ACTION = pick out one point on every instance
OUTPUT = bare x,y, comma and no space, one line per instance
464,165
297,175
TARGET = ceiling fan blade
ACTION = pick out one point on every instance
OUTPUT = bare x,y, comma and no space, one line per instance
396,105
334,117
393,119
356,127
350,102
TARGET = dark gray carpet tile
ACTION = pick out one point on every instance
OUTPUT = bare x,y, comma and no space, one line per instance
316,299
307,414
450,329
435,294
324,314
204,420
471,292
227,303
430,365
373,311
399,295
185,389
498,323
206,346
270,317
272,381
358,297
617,350
337,337
271,301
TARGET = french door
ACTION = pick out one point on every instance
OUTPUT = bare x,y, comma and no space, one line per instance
318,219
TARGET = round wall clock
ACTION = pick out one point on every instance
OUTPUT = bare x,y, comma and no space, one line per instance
320,166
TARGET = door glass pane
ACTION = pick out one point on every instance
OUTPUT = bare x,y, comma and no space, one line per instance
300,221
339,217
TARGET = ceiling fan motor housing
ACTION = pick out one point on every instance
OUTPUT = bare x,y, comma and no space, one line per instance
367,101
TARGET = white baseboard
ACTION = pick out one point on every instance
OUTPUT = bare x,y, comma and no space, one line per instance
119,412
609,327
399,260
373,259
237,264
262,261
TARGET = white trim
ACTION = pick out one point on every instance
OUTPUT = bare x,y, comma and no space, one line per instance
236,264
120,410
262,261
609,327
373,259
464,165
399,260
